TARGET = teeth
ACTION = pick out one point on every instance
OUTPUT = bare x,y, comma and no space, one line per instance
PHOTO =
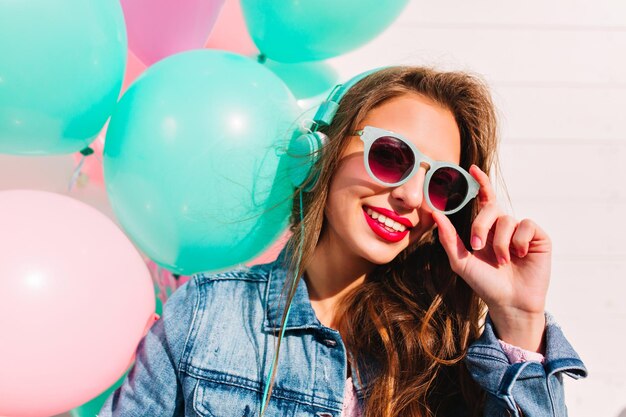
390,224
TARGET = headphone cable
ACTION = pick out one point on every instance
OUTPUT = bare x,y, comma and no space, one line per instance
293,286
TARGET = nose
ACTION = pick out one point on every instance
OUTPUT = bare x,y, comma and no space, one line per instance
411,193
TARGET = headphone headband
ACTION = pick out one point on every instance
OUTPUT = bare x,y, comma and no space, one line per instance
327,110
304,149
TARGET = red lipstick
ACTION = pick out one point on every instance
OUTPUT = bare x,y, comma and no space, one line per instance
391,214
382,231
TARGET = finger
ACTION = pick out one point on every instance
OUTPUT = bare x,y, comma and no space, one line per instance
451,242
505,227
527,236
486,193
482,224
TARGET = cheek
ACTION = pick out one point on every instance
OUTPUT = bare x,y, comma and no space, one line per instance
349,186
351,170
426,223
338,198
350,180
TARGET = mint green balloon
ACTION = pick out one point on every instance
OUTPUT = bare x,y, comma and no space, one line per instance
61,70
192,160
312,30
306,79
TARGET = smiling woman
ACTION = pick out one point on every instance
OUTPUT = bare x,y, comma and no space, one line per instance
431,128
381,304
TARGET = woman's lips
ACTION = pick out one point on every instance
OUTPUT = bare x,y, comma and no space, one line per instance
381,230
391,215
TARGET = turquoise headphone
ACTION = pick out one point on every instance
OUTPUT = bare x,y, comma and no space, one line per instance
305,149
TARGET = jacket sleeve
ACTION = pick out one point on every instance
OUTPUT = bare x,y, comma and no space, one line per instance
527,389
152,387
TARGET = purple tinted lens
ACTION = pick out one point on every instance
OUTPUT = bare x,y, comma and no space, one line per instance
447,188
390,159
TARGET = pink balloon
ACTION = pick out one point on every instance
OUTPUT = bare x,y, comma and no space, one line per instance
134,68
52,173
75,300
158,28
230,32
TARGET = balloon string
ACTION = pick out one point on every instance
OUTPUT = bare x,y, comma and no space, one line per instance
175,281
85,153
293,286
159,281
172,282
75,174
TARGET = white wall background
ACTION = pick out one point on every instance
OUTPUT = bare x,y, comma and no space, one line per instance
558,74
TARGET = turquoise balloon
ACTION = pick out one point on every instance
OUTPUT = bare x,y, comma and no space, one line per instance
312,30
306,79
61,70
192,160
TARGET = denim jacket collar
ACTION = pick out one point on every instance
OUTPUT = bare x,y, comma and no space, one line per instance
301,315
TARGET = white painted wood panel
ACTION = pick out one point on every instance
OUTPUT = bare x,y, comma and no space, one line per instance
578,284
598,339
564,113
547,85
504,55
601,394
564,172
581,14
593,232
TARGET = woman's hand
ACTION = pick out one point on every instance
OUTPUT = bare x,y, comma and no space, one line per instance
509,267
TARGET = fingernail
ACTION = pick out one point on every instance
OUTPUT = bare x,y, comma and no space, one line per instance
501,260
476,243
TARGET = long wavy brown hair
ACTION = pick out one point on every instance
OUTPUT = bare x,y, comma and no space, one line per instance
409,324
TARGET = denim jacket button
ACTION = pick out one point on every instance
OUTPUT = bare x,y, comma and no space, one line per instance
330,342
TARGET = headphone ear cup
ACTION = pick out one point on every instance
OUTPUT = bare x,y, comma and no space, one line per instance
304,151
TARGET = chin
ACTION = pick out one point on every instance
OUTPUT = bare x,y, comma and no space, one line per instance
382,255
383,260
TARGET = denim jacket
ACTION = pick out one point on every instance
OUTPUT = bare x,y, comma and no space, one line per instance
210,352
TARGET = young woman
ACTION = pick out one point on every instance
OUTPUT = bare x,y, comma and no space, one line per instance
377,305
